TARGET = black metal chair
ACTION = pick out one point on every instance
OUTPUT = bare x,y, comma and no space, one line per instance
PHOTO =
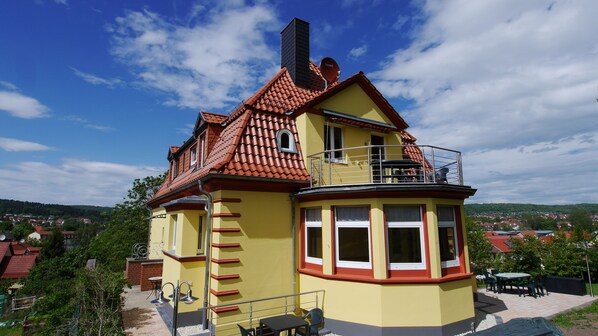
540,285
441,175
316,323
490,281
529,284
246,332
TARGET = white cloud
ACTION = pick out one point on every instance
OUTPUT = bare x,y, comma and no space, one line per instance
21,106
96,80
358,52
496,76
85,123
15,145
71,182
61,2
206,65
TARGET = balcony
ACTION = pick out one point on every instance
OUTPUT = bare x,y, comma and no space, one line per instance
393,164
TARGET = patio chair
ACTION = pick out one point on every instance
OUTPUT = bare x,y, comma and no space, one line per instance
316,317
441,175
540,285
246,332
490,281
529,284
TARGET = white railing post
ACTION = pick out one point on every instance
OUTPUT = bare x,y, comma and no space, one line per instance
460,167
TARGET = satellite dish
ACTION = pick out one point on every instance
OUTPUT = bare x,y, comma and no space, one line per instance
22,241
2,237
330,70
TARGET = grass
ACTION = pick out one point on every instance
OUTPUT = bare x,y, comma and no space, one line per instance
15,331
580,318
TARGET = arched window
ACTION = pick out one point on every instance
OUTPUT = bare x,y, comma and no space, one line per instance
286,141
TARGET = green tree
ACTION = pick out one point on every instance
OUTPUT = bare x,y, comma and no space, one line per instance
128,225
580,218
22,230
525,255
562,257
53,246
480,249
6,226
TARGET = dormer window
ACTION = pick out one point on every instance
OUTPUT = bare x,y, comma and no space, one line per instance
193,156
175,168
285,141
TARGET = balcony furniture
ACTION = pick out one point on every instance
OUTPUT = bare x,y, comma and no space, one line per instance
246,332
441,175
541,285
156,285
529,284
316,325
282,323
506,278
397,170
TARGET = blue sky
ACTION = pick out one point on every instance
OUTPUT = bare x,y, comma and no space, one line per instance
92,93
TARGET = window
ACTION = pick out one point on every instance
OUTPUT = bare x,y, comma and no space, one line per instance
447,235
175,168
286,141
333,143
193,156
174,228
201,237
202,149
405,237
353,237
313,236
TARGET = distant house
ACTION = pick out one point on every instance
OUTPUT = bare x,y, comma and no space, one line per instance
17,259
501,240
41,234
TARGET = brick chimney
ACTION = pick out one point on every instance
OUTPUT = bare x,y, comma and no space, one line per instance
294,51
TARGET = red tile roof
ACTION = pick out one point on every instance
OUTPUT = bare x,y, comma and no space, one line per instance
246,145
19,266
4,248
213,118
499,243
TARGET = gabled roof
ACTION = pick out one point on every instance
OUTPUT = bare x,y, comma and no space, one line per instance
19,266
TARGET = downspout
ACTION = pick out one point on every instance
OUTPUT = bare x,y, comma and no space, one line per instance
294,249
208,250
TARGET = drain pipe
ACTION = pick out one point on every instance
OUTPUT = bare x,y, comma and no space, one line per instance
208,249
293,239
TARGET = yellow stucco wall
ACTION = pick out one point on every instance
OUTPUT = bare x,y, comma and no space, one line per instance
265,254
193,272
157,234
352,101
400,305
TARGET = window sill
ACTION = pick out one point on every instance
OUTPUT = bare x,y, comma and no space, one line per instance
183,259
392,280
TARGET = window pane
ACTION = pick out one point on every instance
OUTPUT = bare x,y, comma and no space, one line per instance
447,243
403,214
313,215
446,214
200,235
404,245
314,242
353,244
285,142
352,214
338,143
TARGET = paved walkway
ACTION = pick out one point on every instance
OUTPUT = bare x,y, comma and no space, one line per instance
493,308
140,317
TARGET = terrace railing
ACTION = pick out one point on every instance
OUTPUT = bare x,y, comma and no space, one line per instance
391,164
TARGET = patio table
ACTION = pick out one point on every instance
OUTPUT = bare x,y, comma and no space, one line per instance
507,277
281,323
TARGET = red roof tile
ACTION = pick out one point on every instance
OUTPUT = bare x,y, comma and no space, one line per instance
213,118
4,248
18,266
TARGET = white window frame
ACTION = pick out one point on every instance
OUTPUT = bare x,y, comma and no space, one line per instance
174,229
409,225
450,224
291,147
329,134
312,224
201,239
202,144
352,224
193,160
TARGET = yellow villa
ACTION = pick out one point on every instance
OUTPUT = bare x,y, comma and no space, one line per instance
311,193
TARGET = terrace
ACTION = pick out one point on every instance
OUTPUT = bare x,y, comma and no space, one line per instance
390,164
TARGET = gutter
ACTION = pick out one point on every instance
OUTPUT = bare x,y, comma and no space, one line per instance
206,290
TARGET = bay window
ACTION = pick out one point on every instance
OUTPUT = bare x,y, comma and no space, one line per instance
405,237
447,235
352,230
313,236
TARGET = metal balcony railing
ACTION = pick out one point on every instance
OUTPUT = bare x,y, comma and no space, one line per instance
392,164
